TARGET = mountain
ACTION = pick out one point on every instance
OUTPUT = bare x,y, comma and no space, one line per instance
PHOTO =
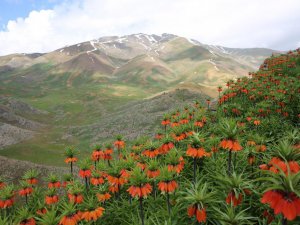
72,95
145,58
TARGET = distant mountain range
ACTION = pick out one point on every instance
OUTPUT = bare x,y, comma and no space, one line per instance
142,59
73,95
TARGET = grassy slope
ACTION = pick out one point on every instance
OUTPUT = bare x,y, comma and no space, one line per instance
77,112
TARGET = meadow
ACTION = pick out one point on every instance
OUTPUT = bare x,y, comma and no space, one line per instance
233,163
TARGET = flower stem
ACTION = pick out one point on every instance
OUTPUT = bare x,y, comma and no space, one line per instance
229,162
154,189
234,160
195,167
142,211
168,203
284,221
86,183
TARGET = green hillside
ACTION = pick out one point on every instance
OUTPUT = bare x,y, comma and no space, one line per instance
240,154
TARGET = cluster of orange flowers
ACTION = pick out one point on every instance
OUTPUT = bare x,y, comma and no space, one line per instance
92,215
70,219
276,164
71,160
167,186
30,221
51,199
200,214
6,203
286,203
234,199
85,173
140,191
232,145
197,152
75,198
26,191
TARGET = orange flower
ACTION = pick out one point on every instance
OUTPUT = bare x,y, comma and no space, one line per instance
6,203
256,122
199,213
71,159
179,137
176,168
294,166
70,220
191,211
140,191
175,124
114,188
168,186
51,199
31,181
150,153
260,148
214,149
116,180
197,153
199,124
251,143
25,191
119,144
103,197
165,122
85,173
96,181
92,215
184,121
41,211
54,184
233,199
251,159
153,174
143,166
166,147
232,145
97,154
264,167
159,136
30,221
288,205
77,198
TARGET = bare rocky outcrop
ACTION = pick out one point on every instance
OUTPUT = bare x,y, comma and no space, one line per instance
19,107
7,115
12,135
137,118
13,169
14,126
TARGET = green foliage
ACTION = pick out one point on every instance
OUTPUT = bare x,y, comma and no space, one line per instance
248,114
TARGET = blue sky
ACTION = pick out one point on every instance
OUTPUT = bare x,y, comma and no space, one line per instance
12,9
28,26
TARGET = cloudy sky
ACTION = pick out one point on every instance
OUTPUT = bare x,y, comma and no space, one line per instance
45,25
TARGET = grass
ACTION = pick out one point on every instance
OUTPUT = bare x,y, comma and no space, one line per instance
76,108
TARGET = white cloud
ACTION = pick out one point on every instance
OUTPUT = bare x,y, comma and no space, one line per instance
234,23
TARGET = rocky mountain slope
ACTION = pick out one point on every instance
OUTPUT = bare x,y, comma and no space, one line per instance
142,58
73,95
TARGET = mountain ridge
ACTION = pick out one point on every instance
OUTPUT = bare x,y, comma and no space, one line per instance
85,87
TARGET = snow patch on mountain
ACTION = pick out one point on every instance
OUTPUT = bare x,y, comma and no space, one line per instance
93,45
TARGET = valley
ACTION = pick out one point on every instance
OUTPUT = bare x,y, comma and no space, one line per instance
90,92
